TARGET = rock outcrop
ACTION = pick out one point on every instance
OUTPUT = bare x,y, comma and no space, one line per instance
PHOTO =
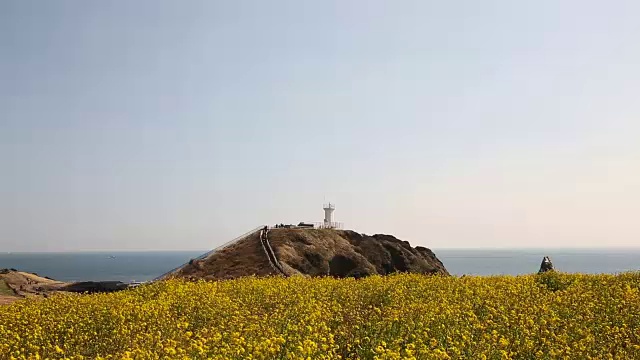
95,287
20,284
316,252
546,265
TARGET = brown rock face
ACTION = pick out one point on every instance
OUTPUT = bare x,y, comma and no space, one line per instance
317,252
345,253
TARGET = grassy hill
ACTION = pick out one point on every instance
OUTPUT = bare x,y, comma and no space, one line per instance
315,252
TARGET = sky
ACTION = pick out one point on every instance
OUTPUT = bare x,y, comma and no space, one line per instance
178,125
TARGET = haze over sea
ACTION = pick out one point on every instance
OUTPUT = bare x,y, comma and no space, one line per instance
143,266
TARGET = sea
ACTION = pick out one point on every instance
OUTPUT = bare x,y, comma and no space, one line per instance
145,266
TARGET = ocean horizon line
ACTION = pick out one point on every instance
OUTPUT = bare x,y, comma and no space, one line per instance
115,251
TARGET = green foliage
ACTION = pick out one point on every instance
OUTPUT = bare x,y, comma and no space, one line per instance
4,289
555,281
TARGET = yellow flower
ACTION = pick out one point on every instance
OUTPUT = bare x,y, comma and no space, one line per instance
395,317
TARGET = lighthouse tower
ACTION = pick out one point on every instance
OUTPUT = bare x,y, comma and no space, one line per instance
328,215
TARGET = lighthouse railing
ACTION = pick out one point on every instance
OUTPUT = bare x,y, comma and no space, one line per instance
328,225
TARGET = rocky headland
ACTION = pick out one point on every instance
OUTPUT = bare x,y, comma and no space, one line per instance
313,252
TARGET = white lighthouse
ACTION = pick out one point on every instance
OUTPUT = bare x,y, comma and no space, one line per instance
328,215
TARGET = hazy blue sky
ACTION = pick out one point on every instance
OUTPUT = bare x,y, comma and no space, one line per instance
180,124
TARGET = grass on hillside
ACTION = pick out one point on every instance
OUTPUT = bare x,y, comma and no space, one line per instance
553,316
5,289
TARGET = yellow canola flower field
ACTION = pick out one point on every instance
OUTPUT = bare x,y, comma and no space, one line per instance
554,316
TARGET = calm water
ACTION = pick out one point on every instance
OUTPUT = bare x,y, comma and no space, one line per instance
121,266
515,262
142,266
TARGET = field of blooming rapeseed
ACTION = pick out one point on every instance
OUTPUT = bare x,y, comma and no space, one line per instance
554,316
